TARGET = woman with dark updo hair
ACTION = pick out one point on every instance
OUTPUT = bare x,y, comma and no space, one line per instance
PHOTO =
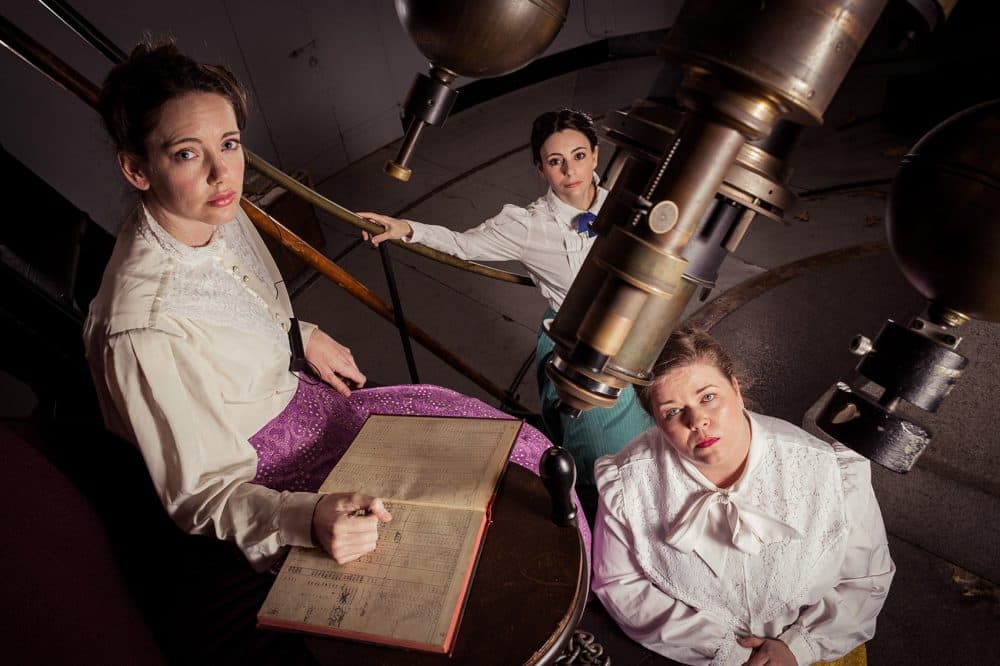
551,238
188,337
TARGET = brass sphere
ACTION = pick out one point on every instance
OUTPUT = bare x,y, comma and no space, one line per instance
482,38
943,216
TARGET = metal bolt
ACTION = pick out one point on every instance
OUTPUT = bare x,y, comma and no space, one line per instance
860,345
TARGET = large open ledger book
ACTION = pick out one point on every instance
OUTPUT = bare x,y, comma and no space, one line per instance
438,477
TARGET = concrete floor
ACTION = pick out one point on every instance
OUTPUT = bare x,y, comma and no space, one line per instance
792,338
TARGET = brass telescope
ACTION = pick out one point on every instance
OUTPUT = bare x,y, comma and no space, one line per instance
785,64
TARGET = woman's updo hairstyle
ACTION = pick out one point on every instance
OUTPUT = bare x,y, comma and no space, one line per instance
152,75
686,346
551,122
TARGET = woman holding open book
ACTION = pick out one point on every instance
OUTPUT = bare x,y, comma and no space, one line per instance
192,340
728,537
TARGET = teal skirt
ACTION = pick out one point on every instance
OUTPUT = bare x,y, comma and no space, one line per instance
596,432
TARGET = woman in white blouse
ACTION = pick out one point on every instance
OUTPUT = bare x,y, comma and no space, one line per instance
728,537
188,336
551,238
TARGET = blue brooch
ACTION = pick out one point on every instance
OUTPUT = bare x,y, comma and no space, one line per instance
585,224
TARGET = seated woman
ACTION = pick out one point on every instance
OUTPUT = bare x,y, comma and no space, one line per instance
728,537
551,238
190,338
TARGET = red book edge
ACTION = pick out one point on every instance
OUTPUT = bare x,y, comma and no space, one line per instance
459,613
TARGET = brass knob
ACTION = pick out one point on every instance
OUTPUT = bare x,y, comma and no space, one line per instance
400,173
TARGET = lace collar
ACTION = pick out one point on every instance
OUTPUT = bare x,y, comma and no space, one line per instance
156,234
745,526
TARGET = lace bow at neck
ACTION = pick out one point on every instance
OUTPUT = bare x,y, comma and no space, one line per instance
748,528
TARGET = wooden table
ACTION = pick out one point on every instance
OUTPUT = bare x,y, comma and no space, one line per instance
527,597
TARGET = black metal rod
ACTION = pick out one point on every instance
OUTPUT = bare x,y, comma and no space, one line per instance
84,28
519,377
30,51
397,311
410,142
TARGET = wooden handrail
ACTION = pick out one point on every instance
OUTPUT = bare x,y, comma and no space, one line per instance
34,54
257,163
348,283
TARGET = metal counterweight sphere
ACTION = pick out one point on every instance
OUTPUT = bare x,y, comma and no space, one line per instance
477,38
943,217
482,38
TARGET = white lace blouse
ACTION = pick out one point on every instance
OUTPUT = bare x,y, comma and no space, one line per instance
795,549
161,340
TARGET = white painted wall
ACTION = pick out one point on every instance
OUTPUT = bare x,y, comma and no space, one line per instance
327,79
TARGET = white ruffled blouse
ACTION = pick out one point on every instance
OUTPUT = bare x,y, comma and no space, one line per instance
795,549
160,338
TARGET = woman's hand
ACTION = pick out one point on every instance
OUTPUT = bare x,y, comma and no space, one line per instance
769,651
345,525
333,362
394,228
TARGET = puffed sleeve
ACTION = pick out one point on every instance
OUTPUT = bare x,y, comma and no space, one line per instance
500,238
201,468
644,612
845,616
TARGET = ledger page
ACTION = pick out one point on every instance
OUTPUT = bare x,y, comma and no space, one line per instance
407,592
448,461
